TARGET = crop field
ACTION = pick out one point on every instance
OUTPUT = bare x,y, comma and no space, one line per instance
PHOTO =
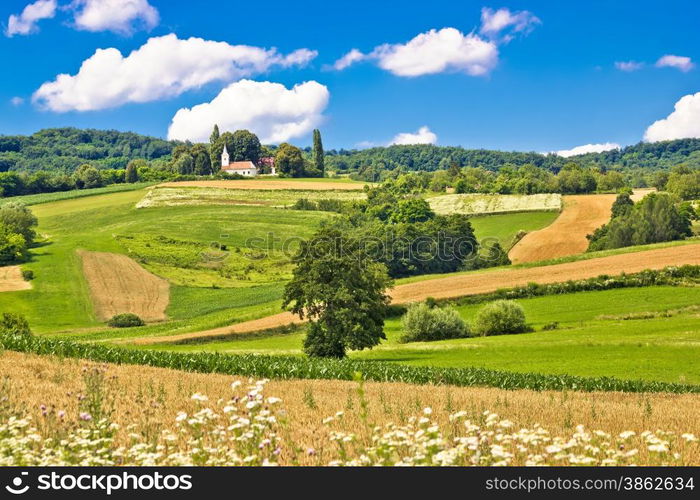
479,204
11,279
119,285
149,399
170,196
581,215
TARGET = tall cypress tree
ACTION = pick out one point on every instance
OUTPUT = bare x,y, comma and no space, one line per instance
318,152
214,135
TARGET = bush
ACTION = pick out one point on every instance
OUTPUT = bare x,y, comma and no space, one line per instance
125,320
14,324
27,274
423,323
500,317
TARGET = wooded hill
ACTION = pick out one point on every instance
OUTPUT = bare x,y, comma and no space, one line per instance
65,149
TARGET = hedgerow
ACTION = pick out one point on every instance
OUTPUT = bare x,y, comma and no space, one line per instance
290,367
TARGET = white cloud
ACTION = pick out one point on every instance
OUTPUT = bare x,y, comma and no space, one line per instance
120,16
587,148
26,22
493,22
683,122
423,136
438,51
679,62
16,101
348,60
629,66
270,110
163,67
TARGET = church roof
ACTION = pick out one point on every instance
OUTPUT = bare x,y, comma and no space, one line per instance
240,165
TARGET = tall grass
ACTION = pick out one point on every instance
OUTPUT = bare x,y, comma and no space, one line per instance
289,367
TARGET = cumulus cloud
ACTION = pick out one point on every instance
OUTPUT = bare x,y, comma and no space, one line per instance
119,16
504,25
438,51
26,22
270,110
629,66
683,122
423,136
163,67
587,148
16,101
679,62
448,49
348,60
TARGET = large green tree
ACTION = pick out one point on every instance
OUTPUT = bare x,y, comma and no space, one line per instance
202,161
319,163
289,160
214,135
131,174
87,177
654,219
341,291
246,146
18,218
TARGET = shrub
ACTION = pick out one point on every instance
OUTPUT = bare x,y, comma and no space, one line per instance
500,317
27,274
125,320
423,323
14,324
304,204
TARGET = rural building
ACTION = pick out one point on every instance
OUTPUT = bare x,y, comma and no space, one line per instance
246,168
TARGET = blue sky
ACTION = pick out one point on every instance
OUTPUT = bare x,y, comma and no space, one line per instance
546,81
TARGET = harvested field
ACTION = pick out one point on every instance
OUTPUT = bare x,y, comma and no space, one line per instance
119,285
270,185
480,204
485,282
581,215
11,279
150,398
476,283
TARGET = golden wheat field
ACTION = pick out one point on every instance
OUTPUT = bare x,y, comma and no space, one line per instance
150,398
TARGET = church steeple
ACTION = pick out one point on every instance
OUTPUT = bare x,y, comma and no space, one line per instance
224,157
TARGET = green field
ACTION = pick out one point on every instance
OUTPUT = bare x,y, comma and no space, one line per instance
592,339
36,199
504,227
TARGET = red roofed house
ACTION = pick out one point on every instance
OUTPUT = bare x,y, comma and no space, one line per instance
244,168
268,163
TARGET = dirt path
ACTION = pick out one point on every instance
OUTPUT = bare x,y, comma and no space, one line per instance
270,185
476,283
120,285
11,279
581,215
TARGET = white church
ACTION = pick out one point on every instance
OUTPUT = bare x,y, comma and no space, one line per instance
245,168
